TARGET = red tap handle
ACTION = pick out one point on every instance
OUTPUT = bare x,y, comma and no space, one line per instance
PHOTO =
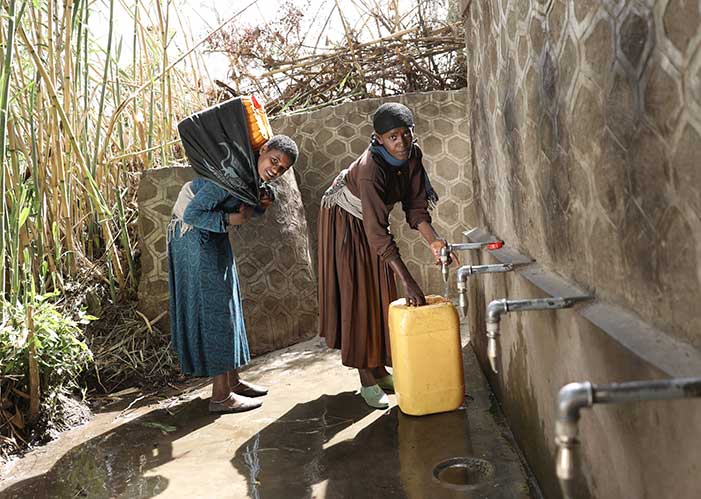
495,245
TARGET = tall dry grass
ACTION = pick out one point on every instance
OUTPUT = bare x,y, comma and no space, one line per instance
77,124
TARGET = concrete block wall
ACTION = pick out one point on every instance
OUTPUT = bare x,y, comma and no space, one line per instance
585,126
332,138
272,257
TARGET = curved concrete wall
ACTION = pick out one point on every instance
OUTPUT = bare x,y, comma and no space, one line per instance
272,257
586,137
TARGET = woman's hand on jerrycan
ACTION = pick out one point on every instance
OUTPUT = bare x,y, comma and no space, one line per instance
414,296
242,216
412,292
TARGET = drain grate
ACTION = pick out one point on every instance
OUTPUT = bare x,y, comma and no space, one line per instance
463,471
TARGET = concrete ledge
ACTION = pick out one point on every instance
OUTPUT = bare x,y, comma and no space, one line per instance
662,351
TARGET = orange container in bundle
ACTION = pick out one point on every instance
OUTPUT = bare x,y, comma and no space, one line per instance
259,130
426,356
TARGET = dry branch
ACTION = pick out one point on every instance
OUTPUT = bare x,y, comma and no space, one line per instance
419,54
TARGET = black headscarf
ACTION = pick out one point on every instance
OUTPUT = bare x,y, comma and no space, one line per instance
392,115
218,147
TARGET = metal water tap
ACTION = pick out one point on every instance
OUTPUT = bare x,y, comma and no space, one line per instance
497,308
467,270
576,396
449,248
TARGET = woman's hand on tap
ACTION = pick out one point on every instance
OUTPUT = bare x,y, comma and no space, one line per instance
436,247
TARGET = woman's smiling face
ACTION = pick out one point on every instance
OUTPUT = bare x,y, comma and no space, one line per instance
272,163
397,141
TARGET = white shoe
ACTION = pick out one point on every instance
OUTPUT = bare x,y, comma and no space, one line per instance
375,397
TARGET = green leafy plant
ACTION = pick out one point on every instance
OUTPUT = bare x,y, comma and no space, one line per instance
42,354
60,352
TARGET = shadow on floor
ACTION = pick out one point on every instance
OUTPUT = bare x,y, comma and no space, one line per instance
114,463
390,457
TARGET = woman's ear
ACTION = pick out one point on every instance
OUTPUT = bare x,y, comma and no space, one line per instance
264,148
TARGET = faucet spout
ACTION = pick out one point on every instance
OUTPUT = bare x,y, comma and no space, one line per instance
445,258
497,308
462,299
576,396
493,345
449,248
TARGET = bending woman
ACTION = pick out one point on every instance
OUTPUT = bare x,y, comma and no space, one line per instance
206,315
358,257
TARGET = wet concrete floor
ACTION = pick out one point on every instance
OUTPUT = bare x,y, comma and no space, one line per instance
313,438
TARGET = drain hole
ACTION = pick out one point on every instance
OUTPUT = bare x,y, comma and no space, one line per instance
463,471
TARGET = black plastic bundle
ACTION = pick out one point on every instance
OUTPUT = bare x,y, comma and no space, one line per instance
217,144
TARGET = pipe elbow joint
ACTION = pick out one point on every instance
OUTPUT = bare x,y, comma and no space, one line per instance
571,400
495,309
462,273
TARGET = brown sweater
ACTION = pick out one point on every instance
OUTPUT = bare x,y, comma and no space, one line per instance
379,186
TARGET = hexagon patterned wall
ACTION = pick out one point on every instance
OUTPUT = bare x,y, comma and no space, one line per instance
272,257
330,139
587,137
276,254
585,126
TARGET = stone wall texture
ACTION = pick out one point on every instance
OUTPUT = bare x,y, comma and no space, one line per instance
276,253
585,126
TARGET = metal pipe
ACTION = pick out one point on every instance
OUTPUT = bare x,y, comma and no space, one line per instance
634,391
576,396
467,270
450,247
497,308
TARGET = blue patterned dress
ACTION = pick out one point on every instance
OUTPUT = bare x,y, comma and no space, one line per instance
206,314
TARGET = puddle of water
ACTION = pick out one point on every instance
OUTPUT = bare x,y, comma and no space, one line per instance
334,440
115,463
391,456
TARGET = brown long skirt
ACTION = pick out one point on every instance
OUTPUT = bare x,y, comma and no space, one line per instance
355,290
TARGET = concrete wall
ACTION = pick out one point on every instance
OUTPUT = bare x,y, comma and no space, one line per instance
275,270
276,254
332,138
586,138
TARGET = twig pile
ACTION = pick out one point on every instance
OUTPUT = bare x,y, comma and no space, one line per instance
129,350
381,57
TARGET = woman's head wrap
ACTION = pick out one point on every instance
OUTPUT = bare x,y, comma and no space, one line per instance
392,115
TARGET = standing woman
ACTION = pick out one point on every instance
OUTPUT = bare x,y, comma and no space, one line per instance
206,314
358,257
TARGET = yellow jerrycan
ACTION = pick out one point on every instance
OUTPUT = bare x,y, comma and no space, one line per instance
259,131
426,356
